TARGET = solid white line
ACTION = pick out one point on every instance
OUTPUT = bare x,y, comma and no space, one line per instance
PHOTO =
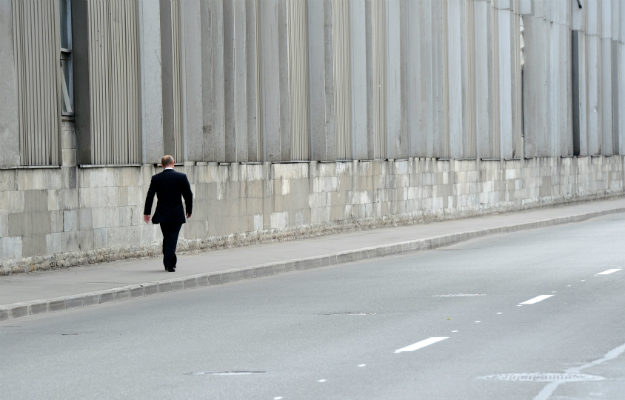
421,344
536,299
609,271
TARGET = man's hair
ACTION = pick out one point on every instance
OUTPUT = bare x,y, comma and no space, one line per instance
167,160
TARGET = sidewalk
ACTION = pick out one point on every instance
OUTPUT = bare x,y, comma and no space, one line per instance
40,292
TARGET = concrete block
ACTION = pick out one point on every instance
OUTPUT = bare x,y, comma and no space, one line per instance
7,180
56,221
100,238
122,196
30,179
125,216
18,311
70,220
19,224
4,225
68,157
38,307
54,243
36,200
34,245
12,201
84,219
10,248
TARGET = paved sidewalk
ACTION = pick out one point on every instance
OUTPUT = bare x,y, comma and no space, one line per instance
40,292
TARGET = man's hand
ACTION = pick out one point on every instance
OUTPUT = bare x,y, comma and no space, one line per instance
146,218
188,216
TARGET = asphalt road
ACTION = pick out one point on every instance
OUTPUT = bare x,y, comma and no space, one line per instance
442,324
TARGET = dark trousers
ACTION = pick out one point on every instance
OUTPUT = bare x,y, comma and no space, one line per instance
170,239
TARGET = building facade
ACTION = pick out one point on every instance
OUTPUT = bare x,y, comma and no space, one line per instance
295,117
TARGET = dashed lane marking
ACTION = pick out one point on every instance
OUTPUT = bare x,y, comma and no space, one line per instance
421,344
609,271
536,299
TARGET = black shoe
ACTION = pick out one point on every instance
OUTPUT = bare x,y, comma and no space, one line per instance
171,269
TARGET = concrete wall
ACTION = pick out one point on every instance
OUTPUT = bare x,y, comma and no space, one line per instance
52,218
465,106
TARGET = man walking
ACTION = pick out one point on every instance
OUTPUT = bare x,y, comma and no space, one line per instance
169,187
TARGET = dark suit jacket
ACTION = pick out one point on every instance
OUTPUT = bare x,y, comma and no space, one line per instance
169,186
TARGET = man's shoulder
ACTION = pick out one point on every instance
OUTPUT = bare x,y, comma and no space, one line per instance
178,174
169,172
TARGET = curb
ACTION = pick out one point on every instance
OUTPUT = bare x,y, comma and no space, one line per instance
41,306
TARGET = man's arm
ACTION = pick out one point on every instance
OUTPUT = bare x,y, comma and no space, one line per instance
147,210
188,197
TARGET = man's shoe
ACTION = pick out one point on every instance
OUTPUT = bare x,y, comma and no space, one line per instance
171,269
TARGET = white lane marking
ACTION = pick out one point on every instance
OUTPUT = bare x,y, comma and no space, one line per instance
536,299
609,271
322,381
478,322
454,331
583,280
362,365
277,398
499,313
421,344
548,390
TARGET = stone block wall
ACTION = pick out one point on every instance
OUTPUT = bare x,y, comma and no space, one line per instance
58,217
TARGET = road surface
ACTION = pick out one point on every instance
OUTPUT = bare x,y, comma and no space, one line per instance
537,314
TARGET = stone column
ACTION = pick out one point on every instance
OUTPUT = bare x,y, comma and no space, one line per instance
606,76
9,128
455,77
254,141
396,140
213,104
440,82
482,75
358,49
593,43
580,106
621,80
413,17
298,97
191,53
504,62
317,79
235,82
378,61
151,84
269,59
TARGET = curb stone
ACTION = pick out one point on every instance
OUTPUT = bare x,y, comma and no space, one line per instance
41,306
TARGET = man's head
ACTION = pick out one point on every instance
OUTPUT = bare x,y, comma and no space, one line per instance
167,161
